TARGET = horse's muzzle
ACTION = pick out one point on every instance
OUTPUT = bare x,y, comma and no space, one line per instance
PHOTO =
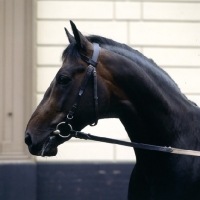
45,148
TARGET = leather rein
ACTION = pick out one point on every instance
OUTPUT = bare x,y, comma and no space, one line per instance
92,63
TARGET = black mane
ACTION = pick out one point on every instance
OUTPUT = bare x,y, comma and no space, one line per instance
131,54
120,48
71,50
108,44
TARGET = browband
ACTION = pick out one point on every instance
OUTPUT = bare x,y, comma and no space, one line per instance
92,61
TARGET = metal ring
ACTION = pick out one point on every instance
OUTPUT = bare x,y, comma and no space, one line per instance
59,125
59,130
69,117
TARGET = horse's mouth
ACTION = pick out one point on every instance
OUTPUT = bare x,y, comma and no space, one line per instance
49,147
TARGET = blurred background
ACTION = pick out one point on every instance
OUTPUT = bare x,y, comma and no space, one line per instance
32,39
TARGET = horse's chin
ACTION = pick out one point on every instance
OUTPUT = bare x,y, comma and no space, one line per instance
51,152
50,147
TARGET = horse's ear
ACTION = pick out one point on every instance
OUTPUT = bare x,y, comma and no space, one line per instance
69,36
82,41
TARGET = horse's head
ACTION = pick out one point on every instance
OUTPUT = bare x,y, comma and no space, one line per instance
62,94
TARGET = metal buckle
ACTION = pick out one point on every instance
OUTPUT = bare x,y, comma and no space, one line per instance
57,131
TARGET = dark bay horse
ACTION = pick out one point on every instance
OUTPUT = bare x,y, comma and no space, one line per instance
148,103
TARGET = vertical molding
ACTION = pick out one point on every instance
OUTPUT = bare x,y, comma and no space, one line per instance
2,6
16,18
19,55
8,75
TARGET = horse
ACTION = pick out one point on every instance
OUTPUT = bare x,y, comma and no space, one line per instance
143,96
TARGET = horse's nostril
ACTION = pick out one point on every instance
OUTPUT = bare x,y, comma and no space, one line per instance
28,140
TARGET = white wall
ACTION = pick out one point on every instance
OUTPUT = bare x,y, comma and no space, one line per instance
166,31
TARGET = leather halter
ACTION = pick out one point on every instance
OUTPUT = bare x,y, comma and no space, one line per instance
92,63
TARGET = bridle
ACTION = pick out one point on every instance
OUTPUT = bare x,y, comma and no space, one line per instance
91,70
66,126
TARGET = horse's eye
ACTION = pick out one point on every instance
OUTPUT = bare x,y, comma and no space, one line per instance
63,80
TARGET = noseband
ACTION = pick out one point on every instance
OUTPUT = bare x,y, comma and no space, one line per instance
91,70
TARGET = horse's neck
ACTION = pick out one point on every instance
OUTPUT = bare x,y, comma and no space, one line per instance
154,110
